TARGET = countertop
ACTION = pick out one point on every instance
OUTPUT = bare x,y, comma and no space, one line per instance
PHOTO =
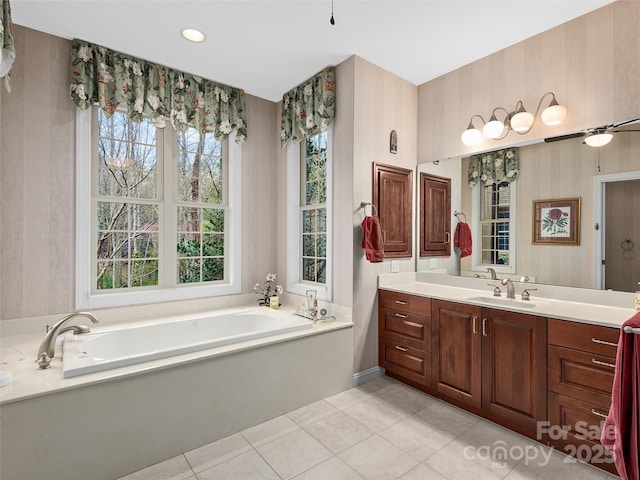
594,314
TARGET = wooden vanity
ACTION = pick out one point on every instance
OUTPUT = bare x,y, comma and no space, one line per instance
542,377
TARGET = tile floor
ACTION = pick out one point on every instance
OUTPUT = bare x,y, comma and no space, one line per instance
382,430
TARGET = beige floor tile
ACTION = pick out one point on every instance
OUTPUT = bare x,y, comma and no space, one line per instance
332,469
379,383
338,432
554,465
248,466
176,468
312,413
217,452
375,414
405,398
446,418
293,453
269,430
376,459
348,398
422,472
416,438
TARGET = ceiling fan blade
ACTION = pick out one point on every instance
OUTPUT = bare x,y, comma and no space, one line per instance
622,131
633,120
565,137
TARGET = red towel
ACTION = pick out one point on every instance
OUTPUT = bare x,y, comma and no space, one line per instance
462,239
372,239
621,432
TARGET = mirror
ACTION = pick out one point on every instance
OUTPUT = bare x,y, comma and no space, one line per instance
560,170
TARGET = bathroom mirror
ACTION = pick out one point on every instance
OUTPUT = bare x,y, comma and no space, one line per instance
560,170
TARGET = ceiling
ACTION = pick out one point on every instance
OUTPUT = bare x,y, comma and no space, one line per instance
268,47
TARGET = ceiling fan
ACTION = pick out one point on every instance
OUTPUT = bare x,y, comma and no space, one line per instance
599,136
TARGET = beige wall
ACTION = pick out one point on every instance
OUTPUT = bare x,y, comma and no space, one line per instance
37,183
592,64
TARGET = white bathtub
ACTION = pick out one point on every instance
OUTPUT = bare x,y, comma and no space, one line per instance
113,348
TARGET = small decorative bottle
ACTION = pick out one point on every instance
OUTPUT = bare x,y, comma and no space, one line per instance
274,302
638,298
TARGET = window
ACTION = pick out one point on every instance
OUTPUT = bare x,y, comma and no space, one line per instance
309,215
496,223
156,212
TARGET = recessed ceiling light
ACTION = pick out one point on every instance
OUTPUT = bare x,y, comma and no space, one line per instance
193,35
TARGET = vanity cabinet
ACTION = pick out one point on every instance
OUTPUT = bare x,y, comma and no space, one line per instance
404,342
581,369
492,362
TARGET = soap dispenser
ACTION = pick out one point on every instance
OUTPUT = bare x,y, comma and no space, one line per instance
638,298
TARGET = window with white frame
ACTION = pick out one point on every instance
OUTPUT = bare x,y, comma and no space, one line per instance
309,215
163,209
495,219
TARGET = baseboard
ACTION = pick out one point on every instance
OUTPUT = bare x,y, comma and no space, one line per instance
371,374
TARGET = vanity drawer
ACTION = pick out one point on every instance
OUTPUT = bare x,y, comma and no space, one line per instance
582,336
575,428
581,375
405,302
406,361
415,330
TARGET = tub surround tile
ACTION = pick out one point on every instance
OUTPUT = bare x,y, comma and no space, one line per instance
338,432
248,466
217,452
269,430
377,459
293,454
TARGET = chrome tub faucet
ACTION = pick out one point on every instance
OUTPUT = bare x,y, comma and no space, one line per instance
47,349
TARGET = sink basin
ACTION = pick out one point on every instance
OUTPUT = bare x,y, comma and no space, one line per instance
506,302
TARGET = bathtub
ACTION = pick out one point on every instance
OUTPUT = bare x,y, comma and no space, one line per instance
121,347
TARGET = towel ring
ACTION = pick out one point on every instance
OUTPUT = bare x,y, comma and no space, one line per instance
374,210
457,215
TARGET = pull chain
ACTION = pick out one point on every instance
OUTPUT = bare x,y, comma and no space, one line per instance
332,21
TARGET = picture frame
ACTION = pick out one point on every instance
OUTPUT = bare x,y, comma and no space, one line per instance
556,221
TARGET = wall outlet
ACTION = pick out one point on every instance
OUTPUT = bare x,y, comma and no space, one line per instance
395,266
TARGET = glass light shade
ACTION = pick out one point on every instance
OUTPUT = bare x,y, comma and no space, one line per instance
521,122
598,139
471,136
493,129
193,35
554,115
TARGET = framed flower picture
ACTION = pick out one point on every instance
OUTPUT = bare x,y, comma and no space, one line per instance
556,221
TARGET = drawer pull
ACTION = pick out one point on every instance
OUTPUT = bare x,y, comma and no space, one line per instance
604,364
399,315
402,349
412,324
484,327
400,302
602,342
595,412
475,328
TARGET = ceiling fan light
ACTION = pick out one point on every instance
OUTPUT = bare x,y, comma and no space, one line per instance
471,136
493,129
554,115
521,122
598,139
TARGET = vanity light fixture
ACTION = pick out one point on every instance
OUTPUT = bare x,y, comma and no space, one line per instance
598,138
518,120
193,35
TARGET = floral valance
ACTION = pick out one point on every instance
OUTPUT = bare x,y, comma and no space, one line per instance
7,50
309,107
109,79
494,167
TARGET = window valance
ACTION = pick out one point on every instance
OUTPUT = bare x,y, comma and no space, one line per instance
109,79
494,167
309,107
7,50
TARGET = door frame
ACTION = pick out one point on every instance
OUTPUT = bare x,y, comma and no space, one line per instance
599,199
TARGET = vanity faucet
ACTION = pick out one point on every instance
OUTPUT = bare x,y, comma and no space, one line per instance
511,291
47,349
493,273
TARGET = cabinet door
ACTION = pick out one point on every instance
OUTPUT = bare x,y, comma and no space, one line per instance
435,216
392,196
514,369
456,343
